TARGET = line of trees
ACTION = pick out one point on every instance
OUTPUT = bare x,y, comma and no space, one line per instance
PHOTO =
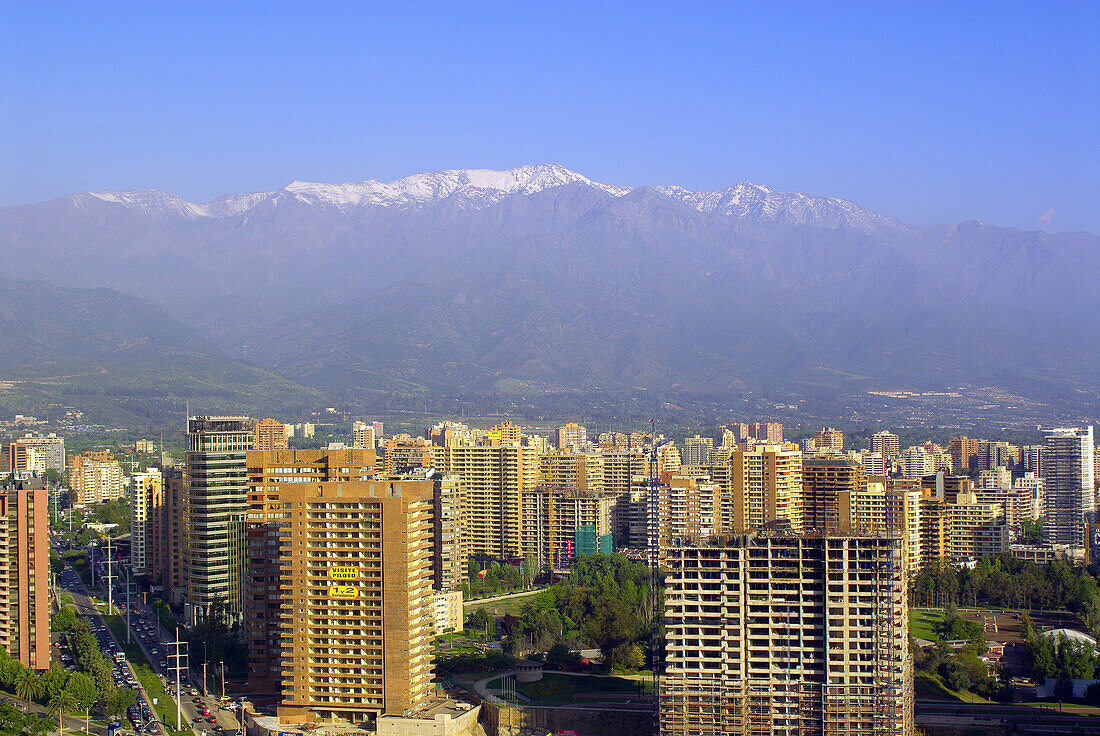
1007,582
94,679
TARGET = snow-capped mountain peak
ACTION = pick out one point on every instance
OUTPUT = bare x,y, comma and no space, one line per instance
478,188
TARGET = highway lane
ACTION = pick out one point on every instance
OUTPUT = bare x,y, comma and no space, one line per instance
190,716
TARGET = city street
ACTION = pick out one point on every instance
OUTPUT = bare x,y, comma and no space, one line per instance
225,720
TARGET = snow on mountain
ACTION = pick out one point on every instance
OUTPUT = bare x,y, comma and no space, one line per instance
478,188
152,202
758,204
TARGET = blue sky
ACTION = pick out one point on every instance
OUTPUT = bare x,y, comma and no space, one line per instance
927,112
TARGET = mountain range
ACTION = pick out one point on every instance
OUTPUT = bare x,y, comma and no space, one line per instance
540,280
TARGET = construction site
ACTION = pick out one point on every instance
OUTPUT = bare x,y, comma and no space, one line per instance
773,632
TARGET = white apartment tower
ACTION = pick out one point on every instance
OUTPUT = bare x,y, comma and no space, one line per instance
1069,484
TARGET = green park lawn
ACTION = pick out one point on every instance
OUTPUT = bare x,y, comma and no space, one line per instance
922,624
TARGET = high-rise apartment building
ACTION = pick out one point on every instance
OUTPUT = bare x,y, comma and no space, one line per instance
494,479
44,452
215,503
13,458
572,436
769,432
172,527
310,466
1031,456
619,469
404,453
577,471
974,529
146,527
269,434
824,481
1069,485
765,487
828,439
697,450
917,462
362,435
887,444
95,477
348,566
965,452
776,634
24,573
559,524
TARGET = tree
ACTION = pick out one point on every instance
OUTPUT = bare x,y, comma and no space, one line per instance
561,657
481,619
1042,658
1063,688
955,674
119,700
1031,531
63,620
29,685
61,705
631,657
83,690
54,680
610,625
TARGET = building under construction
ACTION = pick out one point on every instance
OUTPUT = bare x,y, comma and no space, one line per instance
779,633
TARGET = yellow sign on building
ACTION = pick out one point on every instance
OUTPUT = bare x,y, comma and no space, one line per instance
346,592
343,573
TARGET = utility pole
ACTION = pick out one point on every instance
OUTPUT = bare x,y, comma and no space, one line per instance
223,680
204,676
91,549
110,587
177,667
128,640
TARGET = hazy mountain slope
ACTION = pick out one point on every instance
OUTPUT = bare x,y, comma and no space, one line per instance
465,278
120,359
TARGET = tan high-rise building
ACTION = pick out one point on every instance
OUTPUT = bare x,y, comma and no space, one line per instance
171,522
362,436
24,573
493,481
770,633
505,433
828,439
404,453
559,524
824,479
13,458
933,530
974,530
572,435
269,434
146,528
352,563
95,477
619,468
766,487
310,466
887,444
577,471
769,432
